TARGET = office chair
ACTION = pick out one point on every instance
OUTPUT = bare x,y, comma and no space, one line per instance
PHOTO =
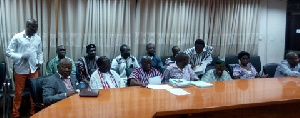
37,92
270,69
255,61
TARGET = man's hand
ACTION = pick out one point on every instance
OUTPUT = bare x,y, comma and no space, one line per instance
25,56
144,84
70,93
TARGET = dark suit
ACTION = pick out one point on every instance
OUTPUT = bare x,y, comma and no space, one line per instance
54,89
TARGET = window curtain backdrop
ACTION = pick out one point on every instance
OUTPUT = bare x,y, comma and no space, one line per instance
13,15
229,26
106,23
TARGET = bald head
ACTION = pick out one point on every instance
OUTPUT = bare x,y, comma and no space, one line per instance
31,27
61,51
146,63
64,67
150,48
292,58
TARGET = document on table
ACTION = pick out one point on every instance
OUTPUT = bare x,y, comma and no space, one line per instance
201,84
159,86
178,91
155,80
199,69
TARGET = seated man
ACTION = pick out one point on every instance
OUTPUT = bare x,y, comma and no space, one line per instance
155,60
124,61
289,67
218,74
171,59
104,78
180,69
52,65
87,64
200,56
140,76
60,85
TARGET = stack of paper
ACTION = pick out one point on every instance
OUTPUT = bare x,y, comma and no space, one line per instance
179,82
199,69
155,80
159,86
201,84
178,91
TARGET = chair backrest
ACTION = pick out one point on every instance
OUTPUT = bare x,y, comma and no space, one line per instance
213,62
270,69
231,59
255,61
36,89
2,73
230,69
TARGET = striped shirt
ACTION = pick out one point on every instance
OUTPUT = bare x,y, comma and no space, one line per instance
142,77
203,59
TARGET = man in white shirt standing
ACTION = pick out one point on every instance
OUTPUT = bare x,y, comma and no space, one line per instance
124,61
25,48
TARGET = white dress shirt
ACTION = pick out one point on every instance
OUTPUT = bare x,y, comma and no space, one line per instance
120,64
106,80
21,44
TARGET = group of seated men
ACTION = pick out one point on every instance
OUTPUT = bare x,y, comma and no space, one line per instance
100,73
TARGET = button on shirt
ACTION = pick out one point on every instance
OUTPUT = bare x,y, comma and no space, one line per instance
21,44
284,69
173,72
203,59
120,64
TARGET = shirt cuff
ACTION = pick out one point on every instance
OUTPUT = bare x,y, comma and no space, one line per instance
66,95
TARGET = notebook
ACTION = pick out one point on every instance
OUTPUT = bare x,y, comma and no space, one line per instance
89,92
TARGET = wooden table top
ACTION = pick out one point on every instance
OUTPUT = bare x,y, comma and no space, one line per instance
144,103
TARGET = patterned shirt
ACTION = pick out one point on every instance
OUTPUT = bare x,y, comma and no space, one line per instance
120,64
21,44
284,69
67,83
155,61
170,60
52,66
203,59
243,73
211,75
143,77
105,80
173,72
89,67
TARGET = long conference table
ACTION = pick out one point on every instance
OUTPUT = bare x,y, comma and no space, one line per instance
263,97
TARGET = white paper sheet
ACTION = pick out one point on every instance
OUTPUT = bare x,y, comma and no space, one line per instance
178,91
201,84
199,69
155,80
159,86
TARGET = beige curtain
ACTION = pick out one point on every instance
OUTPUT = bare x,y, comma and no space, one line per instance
13,15
106,23
228,25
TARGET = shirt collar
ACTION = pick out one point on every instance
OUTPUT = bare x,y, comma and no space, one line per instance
25,36
61,76
204,50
